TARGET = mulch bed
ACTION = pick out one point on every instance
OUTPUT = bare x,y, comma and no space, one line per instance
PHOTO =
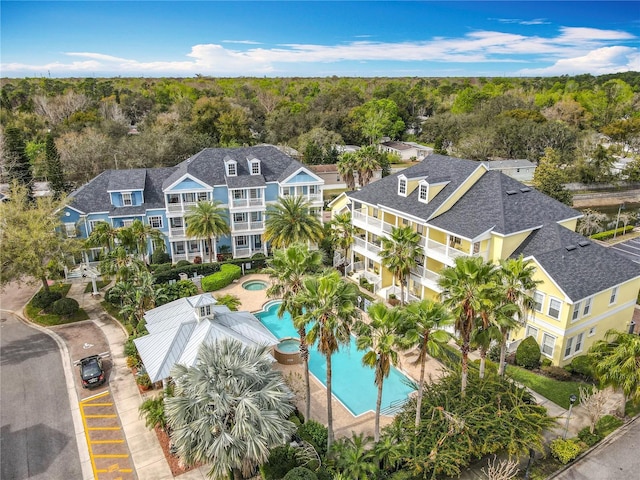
173,461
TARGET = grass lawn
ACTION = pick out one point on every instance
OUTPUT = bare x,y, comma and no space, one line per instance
49,319
100,284
114,311
555,390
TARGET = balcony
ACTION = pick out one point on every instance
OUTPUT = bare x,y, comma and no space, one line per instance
371,224
247,226
247,202
177,232
368,249
426,277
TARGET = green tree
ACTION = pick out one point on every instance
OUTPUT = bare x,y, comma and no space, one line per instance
290,221
549,178
424,324
381,340
102,235
378,118
399,254
367,162
617,363
120,264
16,162
31,236
141,234
55,174
207,220
347,169
229,409
329,304
468,290
354,458
287,270
342,233
232,302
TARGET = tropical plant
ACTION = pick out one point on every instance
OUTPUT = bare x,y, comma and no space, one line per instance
342,232
346,168
617,363
152,410
367,161
354,458
329,306
206,220
400,253
232,302
482,338
120,264
287,270
290,221
102,235
424,324
468,290
141,234
380,337
229,409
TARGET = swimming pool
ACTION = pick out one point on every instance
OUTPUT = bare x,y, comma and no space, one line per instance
352,382
254,285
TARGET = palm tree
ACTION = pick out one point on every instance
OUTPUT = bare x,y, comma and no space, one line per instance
400,252
342,231
482,338
329,305
206,220
141,234
381,338
288,269
346,168
290,221
468,290
517,285
229,300
354,457
424,324
617,363
120,264
367,162
229,409
102,235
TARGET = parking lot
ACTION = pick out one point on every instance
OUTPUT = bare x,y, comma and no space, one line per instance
629,249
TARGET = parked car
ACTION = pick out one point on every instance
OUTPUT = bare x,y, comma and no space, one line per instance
92,372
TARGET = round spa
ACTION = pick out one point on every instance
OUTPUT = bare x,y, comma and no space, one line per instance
287,352
254,285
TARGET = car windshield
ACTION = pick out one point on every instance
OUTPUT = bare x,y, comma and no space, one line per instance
91,369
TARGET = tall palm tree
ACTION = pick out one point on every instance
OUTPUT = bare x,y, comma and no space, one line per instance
482,338
517,286
367,162
120,264
102,235
206,220
381,338
342,231
229,409
424,324
141,234
468,290
399,254
290,221
329,304
287,270
617,363
346,168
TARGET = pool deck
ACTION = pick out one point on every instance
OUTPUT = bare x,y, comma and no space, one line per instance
344,422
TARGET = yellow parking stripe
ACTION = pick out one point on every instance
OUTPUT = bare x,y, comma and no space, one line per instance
98,442
104,428
101,416
98,405
95,397
114,455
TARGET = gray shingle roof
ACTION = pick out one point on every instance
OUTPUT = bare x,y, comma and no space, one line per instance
133,179
246,181
582,270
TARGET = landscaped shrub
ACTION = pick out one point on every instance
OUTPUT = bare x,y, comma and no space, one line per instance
43,299
281,460
589,438
545,362
174,273
494,353
610,233
557,372
227,274
180,289
160,267
130,349
316,434
300,473
582,365
528,353
158,256
565,450
607,424
65,307
183,263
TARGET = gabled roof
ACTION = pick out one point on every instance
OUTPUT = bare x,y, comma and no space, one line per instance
580,267
176,334
122,180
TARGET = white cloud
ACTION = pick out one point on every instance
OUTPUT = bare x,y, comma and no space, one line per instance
97,56
243,42
535,21
575,35
597,62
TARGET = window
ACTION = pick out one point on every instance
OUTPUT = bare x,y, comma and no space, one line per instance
205,310
614,295
532,332
548,344
256,216
70,230
255,168
92,224
423,193
420,229
155,222
127,201
554,308
313,189
239,217
576,311
454,241
173,198
203,196
193,246
567,349
578,343
592,332
176,222
179,248
587,307
574,345
189,197
231,169
538,301
241,241
402,187
476,248
127,223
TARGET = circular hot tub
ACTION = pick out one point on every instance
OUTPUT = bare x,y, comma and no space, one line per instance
287,352
254,285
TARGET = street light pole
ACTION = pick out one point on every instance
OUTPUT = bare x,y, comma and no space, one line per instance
572,400
615,232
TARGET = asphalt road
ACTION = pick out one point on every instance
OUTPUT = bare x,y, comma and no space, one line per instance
37,439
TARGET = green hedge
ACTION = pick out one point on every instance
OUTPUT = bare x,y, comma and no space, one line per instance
528,353
610,233
565,450
227,274
174,273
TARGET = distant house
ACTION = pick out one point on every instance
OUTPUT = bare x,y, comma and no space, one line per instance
179,328
406,150
332,178
521,170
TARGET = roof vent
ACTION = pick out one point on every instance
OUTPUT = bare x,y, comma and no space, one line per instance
525,189
570,247
584,243
511,192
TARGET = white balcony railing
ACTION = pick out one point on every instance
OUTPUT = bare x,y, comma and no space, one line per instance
368,247
365,221
177,232
247,202
246,226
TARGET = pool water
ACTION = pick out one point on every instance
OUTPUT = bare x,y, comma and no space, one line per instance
254,285
352,382
289,346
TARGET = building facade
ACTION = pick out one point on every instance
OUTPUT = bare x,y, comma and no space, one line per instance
461,208
243,180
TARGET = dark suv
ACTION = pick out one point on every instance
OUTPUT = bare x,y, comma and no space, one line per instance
91,371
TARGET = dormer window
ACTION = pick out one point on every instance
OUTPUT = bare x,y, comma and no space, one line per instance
205,311
255,167
127,201
423,192
232,168
402,187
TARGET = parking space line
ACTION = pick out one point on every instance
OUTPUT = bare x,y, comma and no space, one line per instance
112,455
99,405
104,428
98,442
101,416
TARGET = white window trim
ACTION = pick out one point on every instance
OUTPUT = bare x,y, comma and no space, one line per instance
542,301
156,217
551,300
528,332
402,187
255,163
70,230
591,332
423,188
127,196
575,313
231,168
127,223
613,298
587,309
542,344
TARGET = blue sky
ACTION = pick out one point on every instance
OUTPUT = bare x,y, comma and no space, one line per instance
269,38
